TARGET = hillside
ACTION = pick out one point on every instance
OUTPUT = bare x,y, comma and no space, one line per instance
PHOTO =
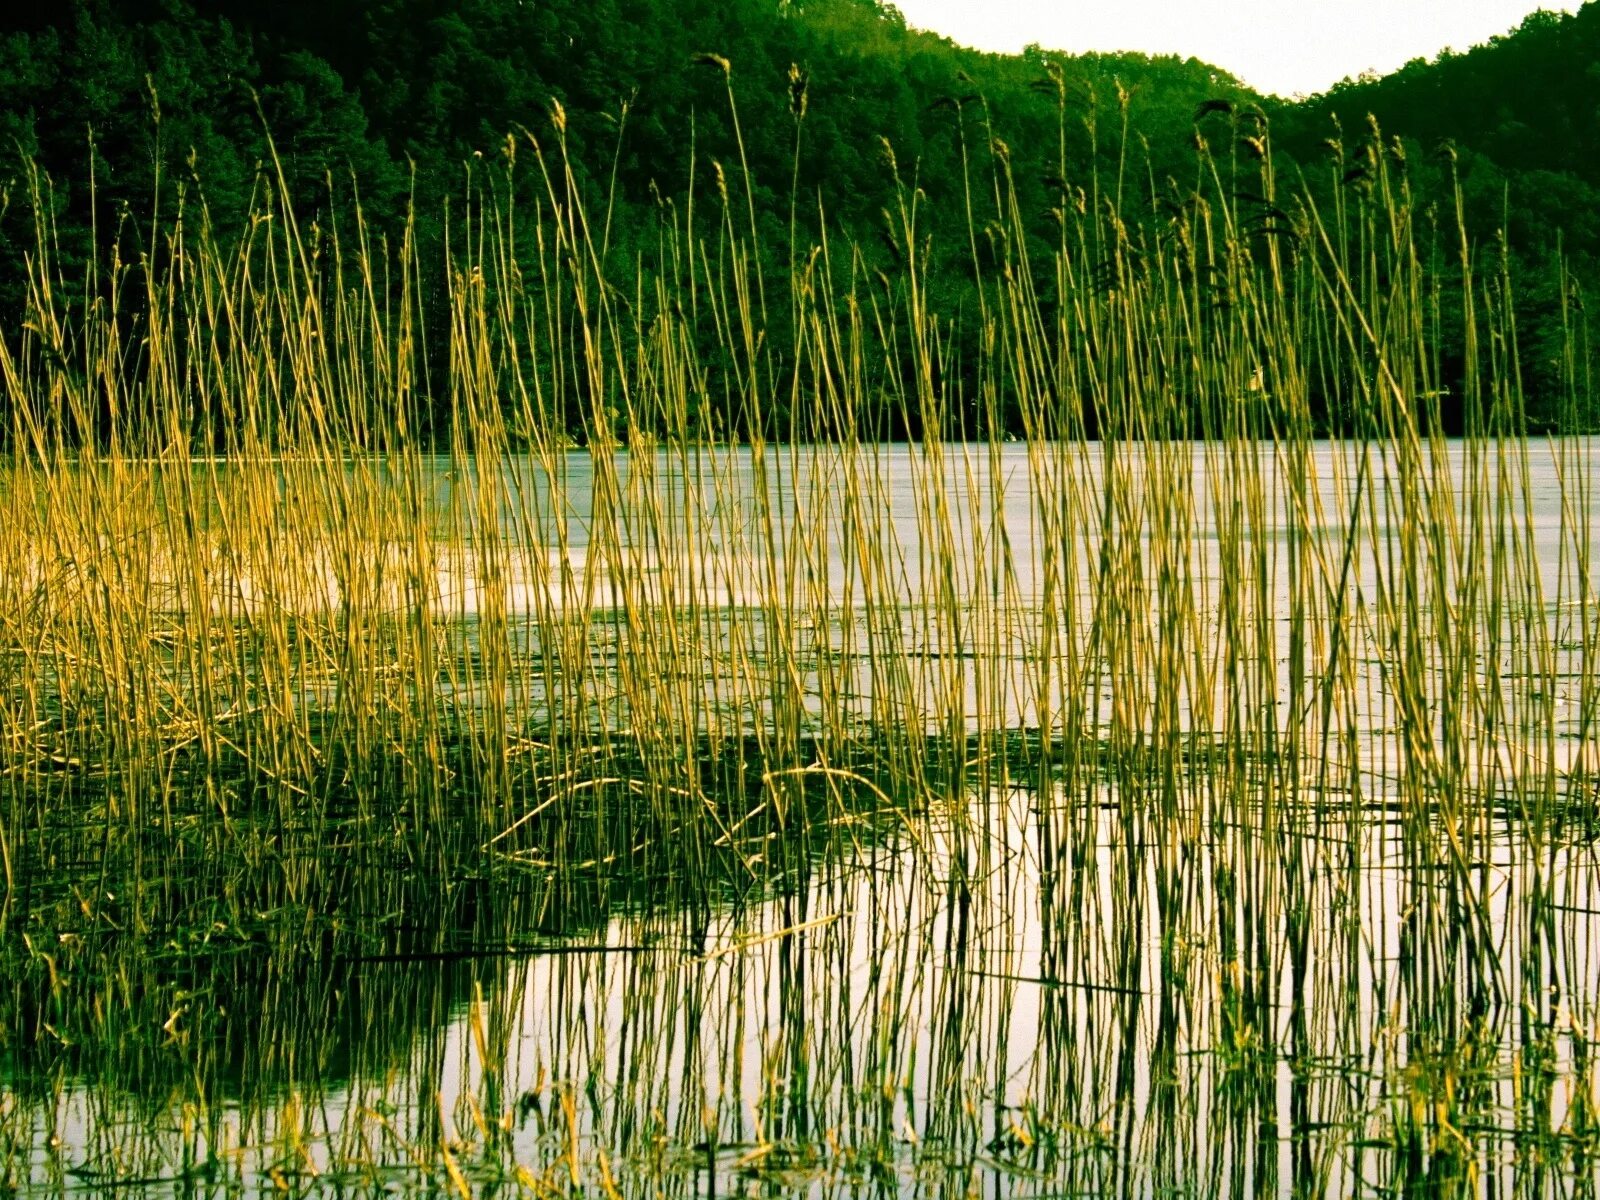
821,116
1522,113
376,88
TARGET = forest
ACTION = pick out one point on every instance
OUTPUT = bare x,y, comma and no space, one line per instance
812,119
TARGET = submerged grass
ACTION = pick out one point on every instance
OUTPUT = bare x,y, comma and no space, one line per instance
1305,727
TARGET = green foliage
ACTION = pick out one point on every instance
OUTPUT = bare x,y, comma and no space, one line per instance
398,102
1516,123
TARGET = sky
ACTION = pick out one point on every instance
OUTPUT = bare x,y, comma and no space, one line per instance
1282,46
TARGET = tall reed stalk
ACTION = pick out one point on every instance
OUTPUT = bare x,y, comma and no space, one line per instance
335,576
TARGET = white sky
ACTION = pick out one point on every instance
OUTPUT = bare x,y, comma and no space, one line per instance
1282,46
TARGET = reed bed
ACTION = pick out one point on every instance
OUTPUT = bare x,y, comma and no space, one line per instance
318,649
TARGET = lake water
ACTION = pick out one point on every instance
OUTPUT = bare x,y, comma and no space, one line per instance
1302,899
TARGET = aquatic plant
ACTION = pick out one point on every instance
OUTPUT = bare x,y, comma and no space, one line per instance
660,626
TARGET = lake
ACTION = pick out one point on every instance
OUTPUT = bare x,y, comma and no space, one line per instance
1016,820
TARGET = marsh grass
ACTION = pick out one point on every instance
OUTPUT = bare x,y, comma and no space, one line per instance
290,667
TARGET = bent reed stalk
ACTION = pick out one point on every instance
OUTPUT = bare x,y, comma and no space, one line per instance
271,562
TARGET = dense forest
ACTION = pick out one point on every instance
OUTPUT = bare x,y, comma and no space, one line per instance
119,119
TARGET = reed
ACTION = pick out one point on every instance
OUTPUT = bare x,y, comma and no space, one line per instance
651,620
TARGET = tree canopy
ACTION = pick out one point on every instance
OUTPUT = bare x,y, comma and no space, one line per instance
132,110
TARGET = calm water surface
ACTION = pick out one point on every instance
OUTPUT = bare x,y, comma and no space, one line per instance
1298,970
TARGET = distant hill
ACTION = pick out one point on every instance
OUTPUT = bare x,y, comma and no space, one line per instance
1522,113
1529,100
406,96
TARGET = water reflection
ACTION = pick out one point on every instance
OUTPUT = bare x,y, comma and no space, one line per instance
1073,992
